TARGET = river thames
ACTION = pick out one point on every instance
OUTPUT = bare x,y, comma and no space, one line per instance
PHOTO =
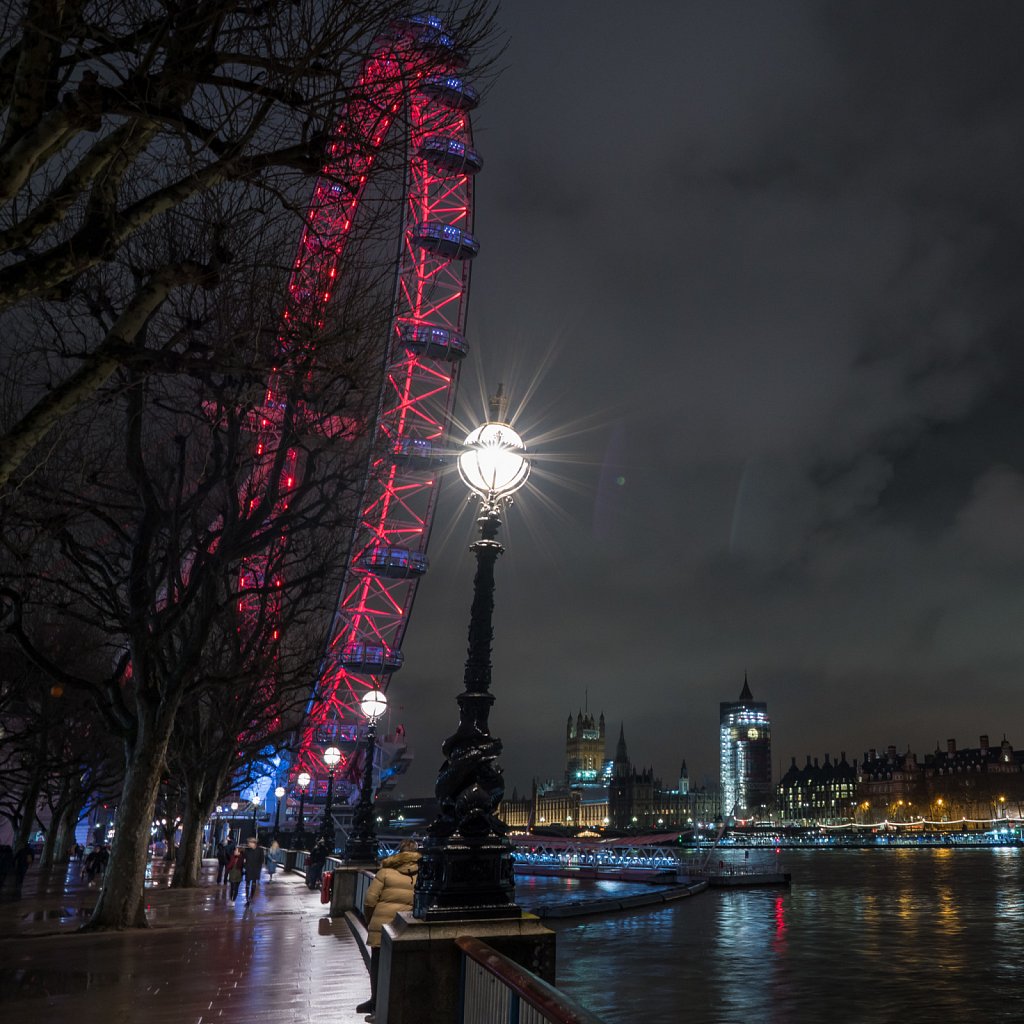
913,936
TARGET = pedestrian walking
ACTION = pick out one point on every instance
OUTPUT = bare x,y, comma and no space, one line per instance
315,864
389,892
92,864
6,862
23,856
234,873
224,851
252,858
273,861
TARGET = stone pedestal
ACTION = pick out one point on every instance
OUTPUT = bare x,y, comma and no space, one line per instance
420,964
343,887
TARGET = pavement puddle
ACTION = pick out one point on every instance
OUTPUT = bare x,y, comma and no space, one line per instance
62,914
35,982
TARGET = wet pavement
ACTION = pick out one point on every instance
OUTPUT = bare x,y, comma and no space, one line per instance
203,959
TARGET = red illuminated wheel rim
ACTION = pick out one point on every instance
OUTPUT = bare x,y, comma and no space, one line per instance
410,83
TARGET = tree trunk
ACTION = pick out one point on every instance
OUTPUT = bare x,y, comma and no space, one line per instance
23,833
190,853
57,817
121,903
49,841
65,834
30,803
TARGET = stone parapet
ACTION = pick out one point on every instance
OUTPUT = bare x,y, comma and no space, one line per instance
420,965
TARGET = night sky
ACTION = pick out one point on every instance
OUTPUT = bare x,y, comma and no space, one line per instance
752,275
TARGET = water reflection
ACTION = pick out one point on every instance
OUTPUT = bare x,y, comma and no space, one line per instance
862,936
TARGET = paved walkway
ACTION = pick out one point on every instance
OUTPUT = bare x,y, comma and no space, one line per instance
283,959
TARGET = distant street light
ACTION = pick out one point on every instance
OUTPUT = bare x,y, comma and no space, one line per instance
302,781
278,794
215,820
361,845
466,865
332,757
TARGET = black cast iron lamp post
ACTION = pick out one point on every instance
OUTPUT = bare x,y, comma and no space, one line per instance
332,757
302,781
255,800
215,829
278,794
361,845
466,867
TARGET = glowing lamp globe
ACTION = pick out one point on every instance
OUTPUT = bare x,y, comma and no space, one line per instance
494,462
374,704
332,755
304,779
279,792
255,800
234,805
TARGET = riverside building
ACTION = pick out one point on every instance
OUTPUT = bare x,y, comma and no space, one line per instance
819,793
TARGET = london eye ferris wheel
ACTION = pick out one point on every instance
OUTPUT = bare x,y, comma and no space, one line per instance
411,82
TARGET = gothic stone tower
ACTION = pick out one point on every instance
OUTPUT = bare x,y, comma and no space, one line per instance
584,750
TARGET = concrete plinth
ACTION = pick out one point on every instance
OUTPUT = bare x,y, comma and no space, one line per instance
420,964
343,887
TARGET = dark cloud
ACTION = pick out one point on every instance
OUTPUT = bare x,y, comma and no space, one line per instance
769,257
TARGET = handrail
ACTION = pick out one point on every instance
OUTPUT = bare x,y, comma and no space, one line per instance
551,1004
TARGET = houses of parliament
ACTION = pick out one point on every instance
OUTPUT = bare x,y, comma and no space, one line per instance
973,786
597,792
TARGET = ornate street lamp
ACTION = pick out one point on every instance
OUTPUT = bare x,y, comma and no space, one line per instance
466,867
332,757
361,845
302,781
255,807
278,794
215,820
234,808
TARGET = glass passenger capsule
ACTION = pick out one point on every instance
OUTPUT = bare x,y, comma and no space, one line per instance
434,342
445,240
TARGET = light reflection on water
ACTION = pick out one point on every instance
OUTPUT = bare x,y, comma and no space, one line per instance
862,936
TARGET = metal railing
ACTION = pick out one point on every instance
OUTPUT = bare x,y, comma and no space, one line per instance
497,990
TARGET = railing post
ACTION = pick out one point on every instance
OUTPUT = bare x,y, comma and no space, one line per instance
460,1016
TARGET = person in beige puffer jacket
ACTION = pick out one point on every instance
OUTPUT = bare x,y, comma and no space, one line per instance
390,892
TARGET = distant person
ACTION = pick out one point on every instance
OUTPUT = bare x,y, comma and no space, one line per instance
235,862
273,859
252,859
315,864
389,893
23,856
224,851
92,864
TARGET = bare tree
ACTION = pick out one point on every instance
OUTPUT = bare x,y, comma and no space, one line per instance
182,465
55,754
234,726
114,112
